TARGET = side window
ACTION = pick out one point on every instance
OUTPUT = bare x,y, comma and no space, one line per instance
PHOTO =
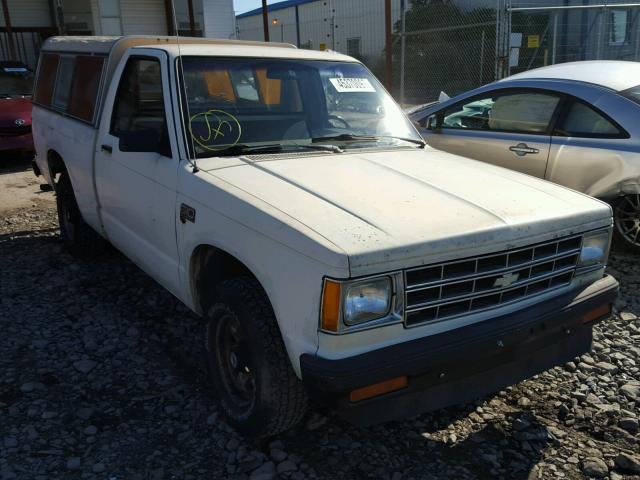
138,117
84,88
46,79
524,112
583,121
63,82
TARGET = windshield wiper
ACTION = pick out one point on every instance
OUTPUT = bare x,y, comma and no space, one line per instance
349,137
241,149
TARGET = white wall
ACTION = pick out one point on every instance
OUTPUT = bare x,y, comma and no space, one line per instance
135,17
143,17
28,13
219,18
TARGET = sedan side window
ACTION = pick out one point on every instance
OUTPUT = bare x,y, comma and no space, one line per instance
523,112
138,117
583,121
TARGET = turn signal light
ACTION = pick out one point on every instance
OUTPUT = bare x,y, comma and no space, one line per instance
330,315
378,389
597,313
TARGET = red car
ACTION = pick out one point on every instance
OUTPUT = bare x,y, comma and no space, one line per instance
16,86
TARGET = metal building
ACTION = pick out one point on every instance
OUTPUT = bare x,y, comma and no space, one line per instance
355,27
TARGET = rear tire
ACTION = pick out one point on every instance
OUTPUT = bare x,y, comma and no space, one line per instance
256,387
78,237
626,223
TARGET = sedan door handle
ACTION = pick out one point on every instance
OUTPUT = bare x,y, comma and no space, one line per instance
523,149
107,148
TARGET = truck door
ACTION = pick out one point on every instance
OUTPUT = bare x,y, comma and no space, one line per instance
135,169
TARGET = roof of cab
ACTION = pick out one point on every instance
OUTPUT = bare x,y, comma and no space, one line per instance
239,50
115,47
614,74
104,44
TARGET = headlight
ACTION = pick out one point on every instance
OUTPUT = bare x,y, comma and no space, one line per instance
356,304
367,300
595,248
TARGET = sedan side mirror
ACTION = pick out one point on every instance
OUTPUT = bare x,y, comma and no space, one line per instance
431,123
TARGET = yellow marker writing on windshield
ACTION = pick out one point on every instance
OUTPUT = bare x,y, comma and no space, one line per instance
220,126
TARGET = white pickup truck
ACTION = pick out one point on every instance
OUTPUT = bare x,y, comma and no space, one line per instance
284,196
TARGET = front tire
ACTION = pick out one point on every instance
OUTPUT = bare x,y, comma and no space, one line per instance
78,237
256,387
626,218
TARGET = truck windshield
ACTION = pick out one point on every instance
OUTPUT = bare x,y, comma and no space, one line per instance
15,81
244,104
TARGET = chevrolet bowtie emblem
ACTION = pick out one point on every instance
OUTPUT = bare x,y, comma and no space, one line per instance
506,280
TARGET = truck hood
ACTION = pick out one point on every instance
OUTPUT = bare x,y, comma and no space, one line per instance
399,208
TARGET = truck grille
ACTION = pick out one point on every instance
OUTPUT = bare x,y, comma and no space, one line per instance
438,292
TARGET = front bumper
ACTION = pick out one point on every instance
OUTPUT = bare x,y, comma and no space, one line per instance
16,143
462,364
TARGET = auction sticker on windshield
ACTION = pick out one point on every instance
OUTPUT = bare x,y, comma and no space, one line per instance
346,85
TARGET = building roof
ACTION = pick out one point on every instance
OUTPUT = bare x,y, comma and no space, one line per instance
275,6
613,74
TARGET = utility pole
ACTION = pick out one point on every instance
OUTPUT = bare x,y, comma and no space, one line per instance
192,19
7,24
388,45
403,46
265,20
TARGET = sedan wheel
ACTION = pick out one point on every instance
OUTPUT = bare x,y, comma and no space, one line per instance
626,213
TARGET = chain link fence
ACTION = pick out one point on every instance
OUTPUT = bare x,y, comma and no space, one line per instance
455,45
572,31
444,46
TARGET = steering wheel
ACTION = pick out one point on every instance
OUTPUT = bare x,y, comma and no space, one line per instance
339,119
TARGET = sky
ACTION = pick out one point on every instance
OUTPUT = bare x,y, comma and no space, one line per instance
241,6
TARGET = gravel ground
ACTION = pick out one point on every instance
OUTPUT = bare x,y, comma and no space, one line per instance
100,377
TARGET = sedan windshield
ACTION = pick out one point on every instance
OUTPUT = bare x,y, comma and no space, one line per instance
249,105
15,81
633,94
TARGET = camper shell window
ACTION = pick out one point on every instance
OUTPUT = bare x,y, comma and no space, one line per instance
70,84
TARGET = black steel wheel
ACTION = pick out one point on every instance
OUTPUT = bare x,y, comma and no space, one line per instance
256,387
235,363
78,237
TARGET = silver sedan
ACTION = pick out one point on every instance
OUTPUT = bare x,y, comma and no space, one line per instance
576,124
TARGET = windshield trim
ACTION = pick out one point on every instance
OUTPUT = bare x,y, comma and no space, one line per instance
626,93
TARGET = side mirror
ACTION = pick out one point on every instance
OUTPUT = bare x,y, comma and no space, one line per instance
431,123
147,140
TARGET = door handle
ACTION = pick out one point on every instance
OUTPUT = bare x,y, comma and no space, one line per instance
107,148
523,149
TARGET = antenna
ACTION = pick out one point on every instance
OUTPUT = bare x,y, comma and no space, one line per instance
193,163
